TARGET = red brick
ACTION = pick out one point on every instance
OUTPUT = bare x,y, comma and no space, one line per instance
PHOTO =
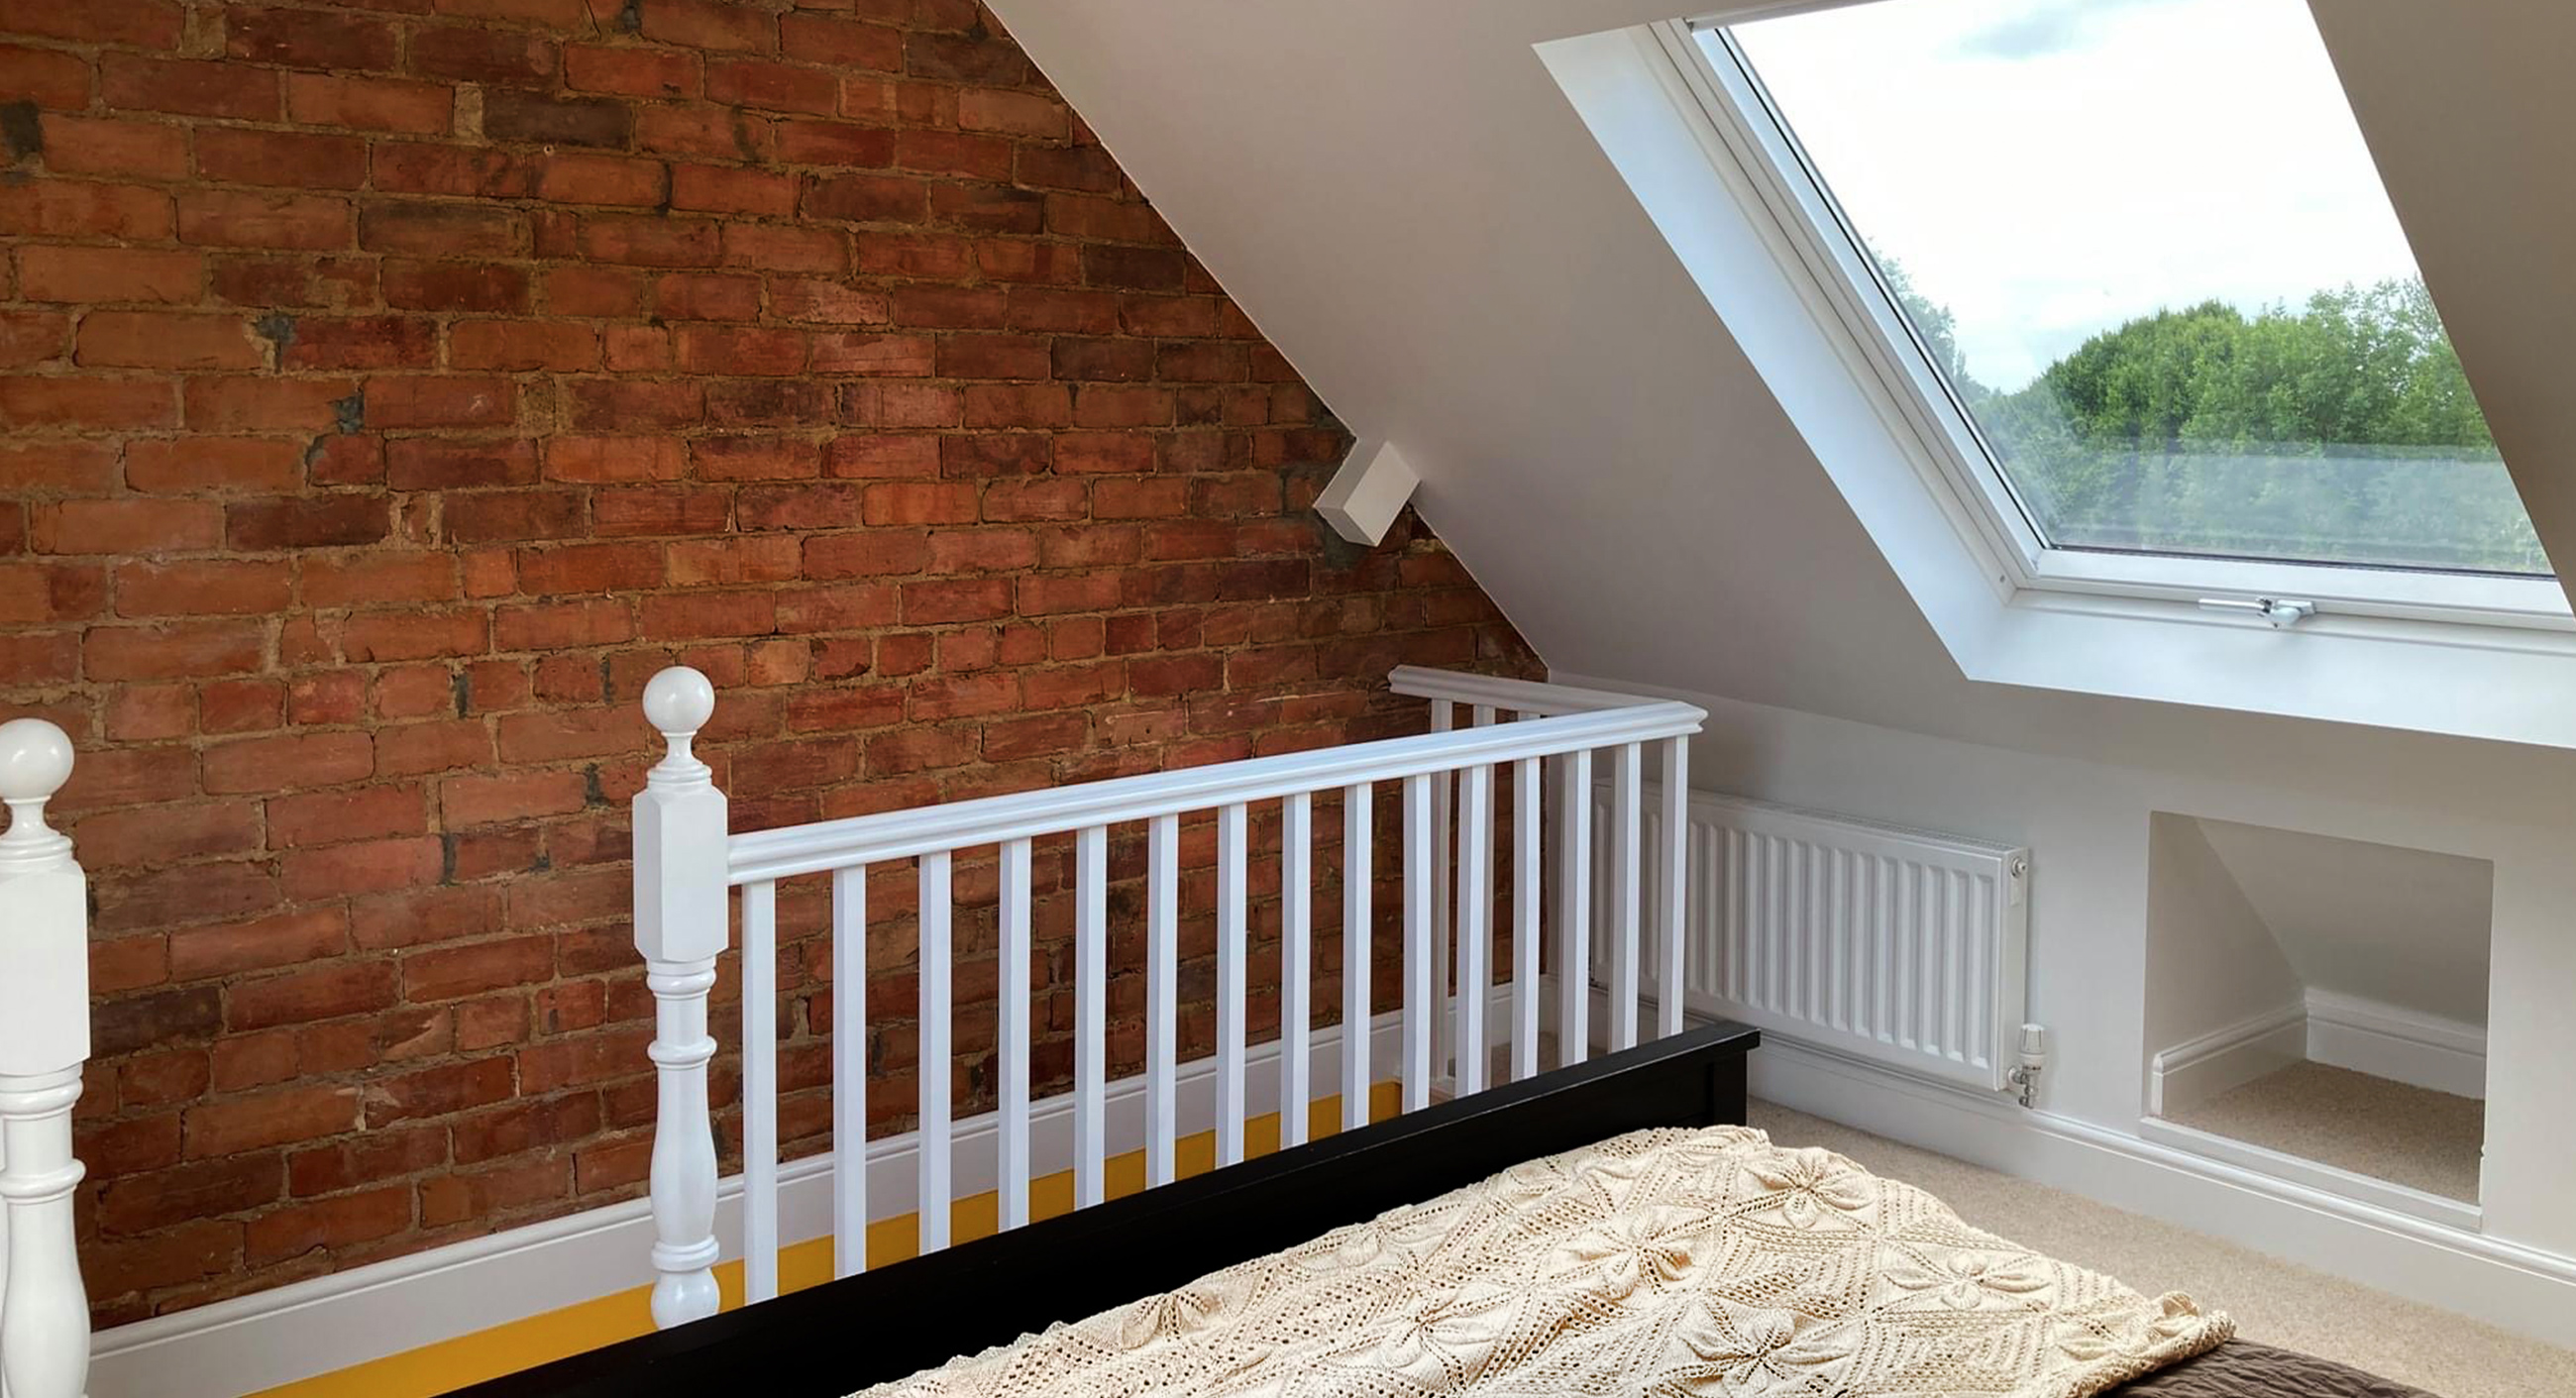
557,121
477,54
285,763
441,230
146,1203
326,1224
362,342
127,404
379,579
215,587
710,24
601,179
632,72
473,968
282,939
724,189
243,219
169,832
1024,114
188,88
94,275
456,286
148,339
309,38
369,866
415,635
325,521
281,158
149,24
778,87
49,78
126,526
270,1119
408,401
104,146
370,104
841,43
333,817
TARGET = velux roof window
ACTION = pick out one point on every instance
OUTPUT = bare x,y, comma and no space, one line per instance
2144,280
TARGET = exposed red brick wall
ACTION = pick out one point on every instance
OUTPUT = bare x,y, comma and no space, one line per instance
391,387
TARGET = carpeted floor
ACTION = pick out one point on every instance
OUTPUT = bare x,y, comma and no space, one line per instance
2273,1301
2387,1130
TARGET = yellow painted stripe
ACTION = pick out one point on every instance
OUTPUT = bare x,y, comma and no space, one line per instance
522,1344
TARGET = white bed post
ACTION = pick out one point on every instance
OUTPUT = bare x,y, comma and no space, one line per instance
680,927
44,1040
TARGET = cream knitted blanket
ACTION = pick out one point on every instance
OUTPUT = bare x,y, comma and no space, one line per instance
1663,1262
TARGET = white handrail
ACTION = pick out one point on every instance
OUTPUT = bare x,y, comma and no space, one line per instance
868,839
44,1041
686,863
1535,698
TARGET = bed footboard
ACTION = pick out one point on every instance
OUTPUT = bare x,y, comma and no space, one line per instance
842,1336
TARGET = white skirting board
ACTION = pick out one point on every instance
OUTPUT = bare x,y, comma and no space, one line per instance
2191,1073
330,1323
2401,1045
2341,1031
2521,1289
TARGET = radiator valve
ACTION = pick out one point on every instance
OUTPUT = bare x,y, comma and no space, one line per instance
2034,1058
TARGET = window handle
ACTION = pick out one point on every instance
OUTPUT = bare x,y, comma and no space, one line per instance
2279,611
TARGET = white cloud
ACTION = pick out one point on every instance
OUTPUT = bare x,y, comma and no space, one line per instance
2051,168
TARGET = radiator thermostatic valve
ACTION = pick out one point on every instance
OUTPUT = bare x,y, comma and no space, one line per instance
2034,1058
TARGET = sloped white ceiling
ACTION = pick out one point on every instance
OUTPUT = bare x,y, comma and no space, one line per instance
2404,928
1400,195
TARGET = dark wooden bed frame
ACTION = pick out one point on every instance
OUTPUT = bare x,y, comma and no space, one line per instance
832,1340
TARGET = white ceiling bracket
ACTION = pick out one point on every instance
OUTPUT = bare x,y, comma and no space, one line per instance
1364,497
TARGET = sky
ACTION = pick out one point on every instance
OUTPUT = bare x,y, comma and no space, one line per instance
2048,169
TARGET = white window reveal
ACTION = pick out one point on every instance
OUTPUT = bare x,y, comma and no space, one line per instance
2131,273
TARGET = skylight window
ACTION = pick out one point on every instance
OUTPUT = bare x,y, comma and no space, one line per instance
2144,275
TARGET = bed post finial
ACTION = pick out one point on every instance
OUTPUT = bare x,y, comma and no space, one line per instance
44,1041
680,927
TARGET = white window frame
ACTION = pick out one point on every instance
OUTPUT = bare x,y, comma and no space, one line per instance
1944,444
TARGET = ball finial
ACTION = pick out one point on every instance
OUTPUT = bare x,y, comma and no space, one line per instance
679,701
35,759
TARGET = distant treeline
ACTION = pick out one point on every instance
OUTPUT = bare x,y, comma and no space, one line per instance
2343,430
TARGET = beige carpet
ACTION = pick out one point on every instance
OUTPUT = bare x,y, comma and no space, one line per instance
2387,1130
2273,1301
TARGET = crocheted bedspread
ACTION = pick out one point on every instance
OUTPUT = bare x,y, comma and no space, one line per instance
1663,1262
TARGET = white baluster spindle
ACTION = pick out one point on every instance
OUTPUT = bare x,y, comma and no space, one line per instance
1011,1028
1627,800
760,1091
1357,870
680,928
1443,792
849,1071
1672,888
1091,1016
937,1009
1574,908
1232,939
1296,963
1526,858
1475,918
44,1040
1162,998
1419,884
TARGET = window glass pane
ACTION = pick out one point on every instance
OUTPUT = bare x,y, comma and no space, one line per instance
2146,245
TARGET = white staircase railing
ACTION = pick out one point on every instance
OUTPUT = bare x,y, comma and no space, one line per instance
685,863
44,1041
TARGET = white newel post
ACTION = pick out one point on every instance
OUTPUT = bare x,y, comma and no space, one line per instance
680,927
44,1040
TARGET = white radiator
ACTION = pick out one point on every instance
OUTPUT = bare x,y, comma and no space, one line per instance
1902,947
